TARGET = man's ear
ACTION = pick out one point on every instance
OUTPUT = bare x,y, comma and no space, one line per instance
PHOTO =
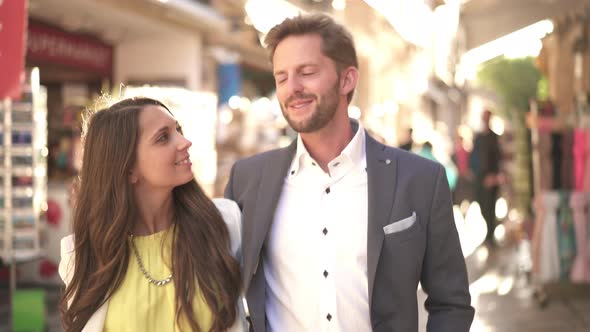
348,80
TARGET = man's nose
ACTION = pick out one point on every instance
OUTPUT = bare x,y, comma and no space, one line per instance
294,86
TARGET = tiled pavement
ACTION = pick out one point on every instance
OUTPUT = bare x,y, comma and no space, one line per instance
505,300
502,296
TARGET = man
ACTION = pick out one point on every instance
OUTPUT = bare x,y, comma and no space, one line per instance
338,229
487,153
409,143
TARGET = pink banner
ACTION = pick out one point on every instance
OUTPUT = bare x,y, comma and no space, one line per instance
13,18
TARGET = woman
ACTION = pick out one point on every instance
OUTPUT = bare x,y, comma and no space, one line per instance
149,251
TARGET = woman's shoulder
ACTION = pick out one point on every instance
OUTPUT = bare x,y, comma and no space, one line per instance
67,243
66,264
227,207
230,211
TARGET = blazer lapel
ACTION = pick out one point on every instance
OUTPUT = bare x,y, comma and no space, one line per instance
271,184
381,177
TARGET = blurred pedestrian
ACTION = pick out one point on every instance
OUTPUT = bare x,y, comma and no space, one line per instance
464,190
409,143
486,158
339,229
427,152
149,250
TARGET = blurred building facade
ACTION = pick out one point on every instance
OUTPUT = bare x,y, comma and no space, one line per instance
206,58
411,57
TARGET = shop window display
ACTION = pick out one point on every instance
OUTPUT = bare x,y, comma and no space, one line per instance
64,143
23,129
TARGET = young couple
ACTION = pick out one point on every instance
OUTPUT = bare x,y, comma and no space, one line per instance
332,233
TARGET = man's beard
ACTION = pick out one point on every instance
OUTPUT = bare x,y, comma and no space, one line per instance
320,116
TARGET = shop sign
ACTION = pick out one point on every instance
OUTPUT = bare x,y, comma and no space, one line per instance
49,45
12,47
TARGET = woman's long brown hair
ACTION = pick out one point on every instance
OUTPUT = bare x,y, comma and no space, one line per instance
103,213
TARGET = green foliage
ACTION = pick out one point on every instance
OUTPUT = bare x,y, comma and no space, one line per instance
543,88
515,81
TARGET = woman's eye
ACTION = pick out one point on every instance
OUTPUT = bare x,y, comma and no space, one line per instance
163,138
179,129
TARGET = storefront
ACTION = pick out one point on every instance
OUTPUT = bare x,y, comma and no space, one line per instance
74,68
71,70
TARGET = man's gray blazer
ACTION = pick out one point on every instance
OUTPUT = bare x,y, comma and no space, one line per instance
399,184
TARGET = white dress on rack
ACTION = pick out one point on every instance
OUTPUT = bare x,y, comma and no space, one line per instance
549,248
581,267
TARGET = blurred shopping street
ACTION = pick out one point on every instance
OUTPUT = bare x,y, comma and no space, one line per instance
429,71
505,300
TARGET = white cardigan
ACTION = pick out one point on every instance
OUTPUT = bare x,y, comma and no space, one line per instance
233,218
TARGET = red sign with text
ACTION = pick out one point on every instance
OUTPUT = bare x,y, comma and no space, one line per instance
49,45
13,20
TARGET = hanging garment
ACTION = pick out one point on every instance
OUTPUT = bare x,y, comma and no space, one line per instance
581,266
586,186
545,164
539,208
567,161
579,154
548,248
566,236
556,156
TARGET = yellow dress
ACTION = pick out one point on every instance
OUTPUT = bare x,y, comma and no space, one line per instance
139,305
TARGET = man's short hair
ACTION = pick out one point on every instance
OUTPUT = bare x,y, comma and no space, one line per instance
337,42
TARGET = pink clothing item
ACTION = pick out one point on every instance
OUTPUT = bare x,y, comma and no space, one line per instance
586,181
581,267
462,156
545,124
580,155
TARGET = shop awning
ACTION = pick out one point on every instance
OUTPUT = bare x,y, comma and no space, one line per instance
487,20
116,21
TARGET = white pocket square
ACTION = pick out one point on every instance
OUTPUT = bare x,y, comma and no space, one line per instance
401,225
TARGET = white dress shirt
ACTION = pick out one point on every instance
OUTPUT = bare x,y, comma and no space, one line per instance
315,260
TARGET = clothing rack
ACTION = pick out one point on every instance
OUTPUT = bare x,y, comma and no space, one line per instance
561,179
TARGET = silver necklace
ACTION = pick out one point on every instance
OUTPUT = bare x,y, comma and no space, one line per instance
142,268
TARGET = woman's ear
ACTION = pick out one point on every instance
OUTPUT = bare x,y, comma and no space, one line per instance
133,178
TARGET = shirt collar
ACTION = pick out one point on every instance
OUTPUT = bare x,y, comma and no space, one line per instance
354,151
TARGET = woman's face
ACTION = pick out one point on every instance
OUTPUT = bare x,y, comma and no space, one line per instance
162,159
